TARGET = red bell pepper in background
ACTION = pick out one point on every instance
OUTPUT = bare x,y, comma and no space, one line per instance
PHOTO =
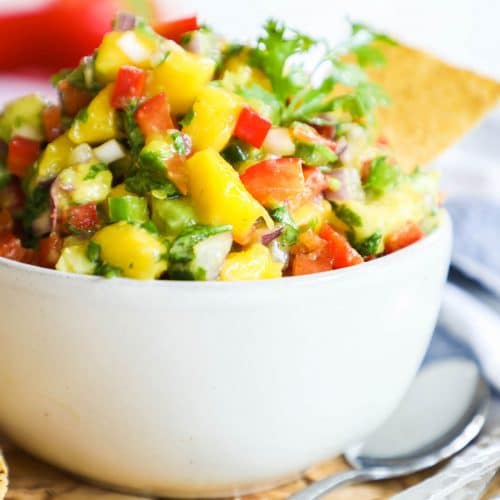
21,155
81,218
154,115
129,85
407,235
252,128
174,30
49,250
59,33
11,247
274,181
342,253
51,121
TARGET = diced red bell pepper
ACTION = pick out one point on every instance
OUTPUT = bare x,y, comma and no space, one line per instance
174,30
21,155
51,121
154,115
129,85
11,247
73,99
252,128
50,250
274,181
326,131
407,235
342,253
81,218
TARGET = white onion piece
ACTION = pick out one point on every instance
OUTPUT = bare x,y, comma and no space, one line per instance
195,44
133,48
81,154
109,151
278,253
42,224
279,142
350,185
28,132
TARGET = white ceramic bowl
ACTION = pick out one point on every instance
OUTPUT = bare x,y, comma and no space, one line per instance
211,389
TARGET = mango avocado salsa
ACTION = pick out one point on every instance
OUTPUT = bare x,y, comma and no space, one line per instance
199,159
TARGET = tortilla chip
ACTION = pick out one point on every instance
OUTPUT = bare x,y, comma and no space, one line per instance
3,477
433,104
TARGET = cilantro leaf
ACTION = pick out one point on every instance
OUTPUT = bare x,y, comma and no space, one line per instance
347,215
94,170
182,249
148,179
272,56
369,246
133,133
383,177
290,233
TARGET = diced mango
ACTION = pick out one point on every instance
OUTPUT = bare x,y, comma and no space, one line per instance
124,48
216,112
118,191
74,258
219,196
54,158
238,73
134,250
182,76
98,123
313,214
255,263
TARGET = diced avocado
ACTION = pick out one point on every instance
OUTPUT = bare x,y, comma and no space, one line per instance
22,117
74,258
315,155
383,177
173,216
128,208
413,200
199,253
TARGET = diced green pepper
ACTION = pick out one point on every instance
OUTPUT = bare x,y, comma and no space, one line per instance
173,216
128,208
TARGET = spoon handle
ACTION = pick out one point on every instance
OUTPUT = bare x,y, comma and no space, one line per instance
324,486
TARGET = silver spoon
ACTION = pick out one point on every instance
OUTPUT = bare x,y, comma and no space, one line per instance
444,410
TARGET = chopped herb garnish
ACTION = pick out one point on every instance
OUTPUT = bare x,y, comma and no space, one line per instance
290,230
133,133
179,143
346,215
94,170
93,251
187,119
83,115
383,177
369,246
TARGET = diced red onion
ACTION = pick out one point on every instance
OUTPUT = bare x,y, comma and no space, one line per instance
350,185
279,142
42,224
272,235
124,21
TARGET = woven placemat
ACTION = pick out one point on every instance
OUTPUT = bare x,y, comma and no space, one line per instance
30,479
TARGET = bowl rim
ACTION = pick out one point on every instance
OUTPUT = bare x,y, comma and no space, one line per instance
306,280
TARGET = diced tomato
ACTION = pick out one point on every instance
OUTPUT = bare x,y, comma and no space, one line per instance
327,131
383,141
129,85
311,263
174,30
21,155
342,253
316,181
51,120
309,241
11,247
50,250
407,235
6,222
154,115
81,218
252,128
274,181
73,99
